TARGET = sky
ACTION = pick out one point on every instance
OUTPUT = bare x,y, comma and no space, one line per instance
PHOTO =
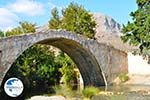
39,11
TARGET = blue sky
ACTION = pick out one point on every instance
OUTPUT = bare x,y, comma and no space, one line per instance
38,11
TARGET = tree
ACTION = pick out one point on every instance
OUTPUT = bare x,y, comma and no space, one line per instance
74,18
38,64
137,32
67,68
2,34
23,28
55,22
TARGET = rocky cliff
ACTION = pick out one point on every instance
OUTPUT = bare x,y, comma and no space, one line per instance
108,31
106,25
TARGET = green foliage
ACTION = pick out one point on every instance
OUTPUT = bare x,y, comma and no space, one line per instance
123,77
137,32
66,91
88,92
38,63
55,21
2,34
23,28
67,68
74,18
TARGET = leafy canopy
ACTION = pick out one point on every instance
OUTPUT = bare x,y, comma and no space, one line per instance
23,28
2,34
67,68
137,32
38,64
74,18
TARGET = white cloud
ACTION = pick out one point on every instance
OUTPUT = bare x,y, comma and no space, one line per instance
9,14
7,19
52,5
27,7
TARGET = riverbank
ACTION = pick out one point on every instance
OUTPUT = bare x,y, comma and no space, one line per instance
120,92
138,79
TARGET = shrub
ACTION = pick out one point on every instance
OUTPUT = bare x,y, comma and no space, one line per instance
88,92
123,77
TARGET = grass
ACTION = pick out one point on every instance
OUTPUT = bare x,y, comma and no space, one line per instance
88,92
66,91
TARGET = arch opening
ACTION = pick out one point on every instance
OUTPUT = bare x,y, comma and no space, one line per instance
83,58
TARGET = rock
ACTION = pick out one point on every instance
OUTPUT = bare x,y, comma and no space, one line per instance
106,25
117,81
47,98
108,31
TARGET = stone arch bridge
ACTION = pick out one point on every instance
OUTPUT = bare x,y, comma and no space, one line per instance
94,60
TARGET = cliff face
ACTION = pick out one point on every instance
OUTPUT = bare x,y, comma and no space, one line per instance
108,31
106,25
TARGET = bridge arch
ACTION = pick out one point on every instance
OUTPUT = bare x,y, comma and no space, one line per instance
81,50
